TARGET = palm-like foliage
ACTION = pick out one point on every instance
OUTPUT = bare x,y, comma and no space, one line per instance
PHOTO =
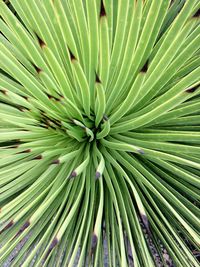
99,131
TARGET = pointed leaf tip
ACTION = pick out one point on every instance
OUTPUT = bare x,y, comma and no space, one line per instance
97,175
94,242
26,225
25,97
40,41
51,247
3,91
140,151
97,79
56,161
24,151
145,67
15,146
10,224
38,157
192,89
73,174
102,11
49,96
197,14
72,57
38,70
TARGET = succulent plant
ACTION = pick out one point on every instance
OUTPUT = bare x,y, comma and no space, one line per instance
100,132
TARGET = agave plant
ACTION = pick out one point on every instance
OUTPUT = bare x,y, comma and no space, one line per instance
100,132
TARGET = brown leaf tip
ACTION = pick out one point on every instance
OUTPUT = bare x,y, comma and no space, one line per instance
192,89
25,151
38,70
145,67
26,225
72,57
10,224
140,151
52,245
15,146
38,157
22,109
56,161
25,97
197,14
3,91
97,175
40,41
49,96
97,79
94,241
73,174
102,10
